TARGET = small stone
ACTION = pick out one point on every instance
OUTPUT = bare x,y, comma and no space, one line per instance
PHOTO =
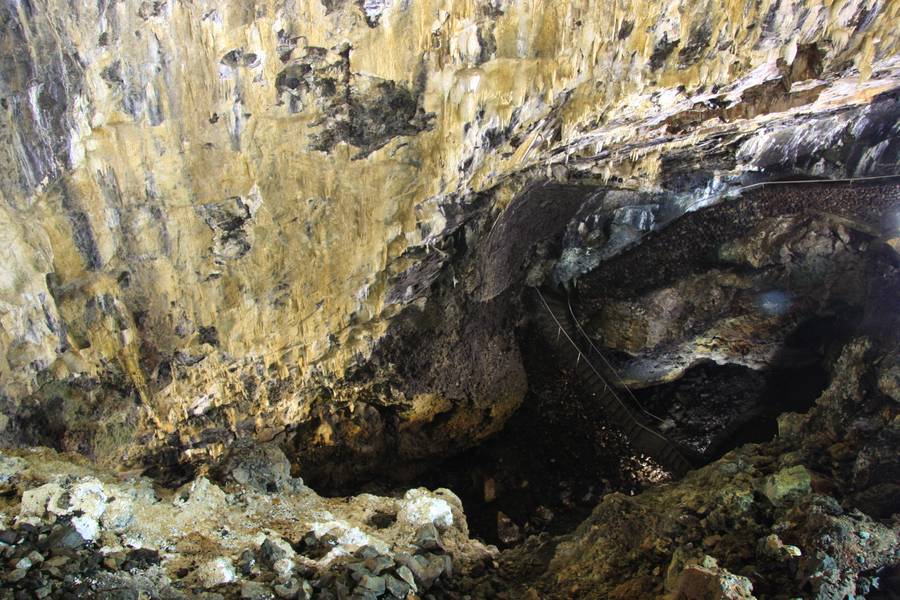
56,562
252,590
283,567
35,557
43,592
507,530
377,564
427,537
408,578
366,552
288,589
792,551
373,584
274,549
396,587
490,489
246,562
218,571
786,483
770,545
543,515
426,568
358,570
24,563
697,582
141,558
16,575
9,536
864,535
65,537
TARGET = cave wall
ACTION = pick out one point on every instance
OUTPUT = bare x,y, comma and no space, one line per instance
738,282
212,211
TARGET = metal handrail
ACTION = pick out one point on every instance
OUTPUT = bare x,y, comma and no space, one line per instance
596,372
740,190
606,362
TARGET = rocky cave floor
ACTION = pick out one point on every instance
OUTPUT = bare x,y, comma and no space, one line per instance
554,506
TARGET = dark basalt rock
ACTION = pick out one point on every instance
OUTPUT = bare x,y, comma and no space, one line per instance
661,52
369,121
363,111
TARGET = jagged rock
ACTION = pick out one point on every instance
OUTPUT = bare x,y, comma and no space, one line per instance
274,549
65,537
261,466
427,537
786,482
507,530
217,571
372,584
290,589
702,583
251,590
421,507
400,589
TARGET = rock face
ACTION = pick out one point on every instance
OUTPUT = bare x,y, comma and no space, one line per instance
226,220
806,515
749,282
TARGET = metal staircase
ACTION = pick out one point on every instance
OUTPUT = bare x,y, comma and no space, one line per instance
572,345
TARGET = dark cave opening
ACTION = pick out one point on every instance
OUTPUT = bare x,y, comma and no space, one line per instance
714,408
559,453
548,467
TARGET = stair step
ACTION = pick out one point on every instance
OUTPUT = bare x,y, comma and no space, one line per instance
568,344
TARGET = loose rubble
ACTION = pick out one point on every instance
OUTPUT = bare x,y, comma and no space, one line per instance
68,530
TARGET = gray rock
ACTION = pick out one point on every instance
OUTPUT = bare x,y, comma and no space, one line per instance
251,590
507,530
377,564
396,587
366,552
427,537
288,590
426,568
372,584
358,570
65,537
263,467
274,549
408,578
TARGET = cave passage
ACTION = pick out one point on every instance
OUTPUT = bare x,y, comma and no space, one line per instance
560,453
